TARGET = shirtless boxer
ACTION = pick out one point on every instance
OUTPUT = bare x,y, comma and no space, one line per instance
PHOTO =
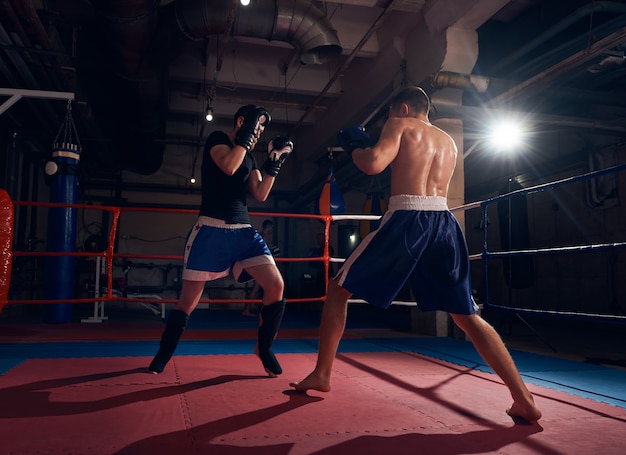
433,256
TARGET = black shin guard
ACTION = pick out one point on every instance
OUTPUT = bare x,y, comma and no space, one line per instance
271,317
176,322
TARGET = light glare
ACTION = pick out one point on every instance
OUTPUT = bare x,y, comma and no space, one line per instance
506,135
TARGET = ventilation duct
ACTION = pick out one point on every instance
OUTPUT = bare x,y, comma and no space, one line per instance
297,22
144,41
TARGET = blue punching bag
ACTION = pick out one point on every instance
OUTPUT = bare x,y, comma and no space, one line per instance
331,200
62,174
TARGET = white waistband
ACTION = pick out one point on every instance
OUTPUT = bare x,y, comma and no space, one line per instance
214,222
412,202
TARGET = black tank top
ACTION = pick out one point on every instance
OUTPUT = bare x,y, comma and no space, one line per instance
224,196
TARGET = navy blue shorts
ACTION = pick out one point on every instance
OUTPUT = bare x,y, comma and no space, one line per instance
420,242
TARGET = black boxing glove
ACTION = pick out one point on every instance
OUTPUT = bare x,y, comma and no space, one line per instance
353,137
252,121
278,150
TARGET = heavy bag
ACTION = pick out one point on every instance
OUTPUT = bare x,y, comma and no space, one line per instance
6,244
331,200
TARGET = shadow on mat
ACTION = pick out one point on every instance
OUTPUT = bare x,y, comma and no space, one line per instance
482,441
204,438
430,392
198,439
33,399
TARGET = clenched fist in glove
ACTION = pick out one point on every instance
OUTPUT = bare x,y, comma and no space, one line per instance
252,121
353,137
278,150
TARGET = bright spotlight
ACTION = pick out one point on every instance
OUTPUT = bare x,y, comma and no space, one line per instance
192,180
506,135
244,2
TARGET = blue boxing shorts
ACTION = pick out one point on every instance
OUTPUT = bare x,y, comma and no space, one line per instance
213,248
420,242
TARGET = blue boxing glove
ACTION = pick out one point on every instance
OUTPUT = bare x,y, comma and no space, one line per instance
252,121
353,137
278,150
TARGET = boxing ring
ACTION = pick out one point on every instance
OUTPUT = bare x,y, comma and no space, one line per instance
85,390
109,254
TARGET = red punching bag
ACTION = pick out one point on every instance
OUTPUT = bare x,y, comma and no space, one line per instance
6,245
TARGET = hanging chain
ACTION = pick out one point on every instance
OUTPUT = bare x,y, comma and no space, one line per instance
68,129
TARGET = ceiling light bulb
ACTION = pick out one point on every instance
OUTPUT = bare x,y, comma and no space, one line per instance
209,114
192,180
244,2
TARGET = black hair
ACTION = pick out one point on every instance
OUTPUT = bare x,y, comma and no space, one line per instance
415,97
267,223
242,111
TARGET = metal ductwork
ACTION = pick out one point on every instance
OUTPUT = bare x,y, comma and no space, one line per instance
297,22
145,38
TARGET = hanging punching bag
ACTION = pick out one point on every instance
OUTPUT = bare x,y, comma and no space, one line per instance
6,245
515,235
374,205
331,200
62,174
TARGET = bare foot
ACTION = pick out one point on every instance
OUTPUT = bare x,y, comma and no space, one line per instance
528,412
312,382
269,373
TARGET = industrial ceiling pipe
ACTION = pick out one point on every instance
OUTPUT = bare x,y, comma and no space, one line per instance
137,32
297,22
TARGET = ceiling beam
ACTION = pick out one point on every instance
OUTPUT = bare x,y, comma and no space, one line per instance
540,80
17,94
